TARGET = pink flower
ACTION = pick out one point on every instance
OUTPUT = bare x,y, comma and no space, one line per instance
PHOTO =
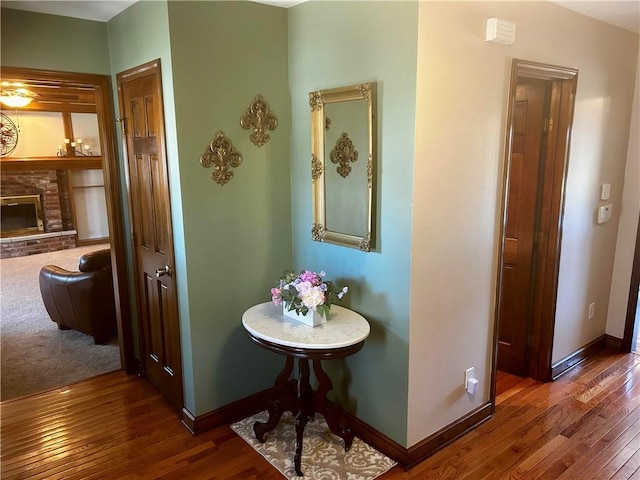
276,296
311,277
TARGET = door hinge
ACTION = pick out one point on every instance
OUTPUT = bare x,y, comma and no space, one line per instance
548,125
138,368
121,121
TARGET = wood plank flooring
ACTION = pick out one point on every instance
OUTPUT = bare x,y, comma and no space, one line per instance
586,425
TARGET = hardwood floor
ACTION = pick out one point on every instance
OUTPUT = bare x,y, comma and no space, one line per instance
506,381
586,425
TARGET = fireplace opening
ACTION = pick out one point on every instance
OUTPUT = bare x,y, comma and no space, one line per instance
20,215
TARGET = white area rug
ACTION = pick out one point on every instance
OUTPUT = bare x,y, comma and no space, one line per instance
323,455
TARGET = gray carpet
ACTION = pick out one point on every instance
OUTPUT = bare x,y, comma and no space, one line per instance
34,354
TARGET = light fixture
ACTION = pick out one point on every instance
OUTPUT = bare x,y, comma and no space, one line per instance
17,97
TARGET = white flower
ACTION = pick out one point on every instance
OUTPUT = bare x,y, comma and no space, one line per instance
312,297
302,287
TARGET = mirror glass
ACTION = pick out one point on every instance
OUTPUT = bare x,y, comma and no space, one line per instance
342,165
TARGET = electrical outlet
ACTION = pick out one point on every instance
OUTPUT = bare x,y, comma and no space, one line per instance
468,373
592,310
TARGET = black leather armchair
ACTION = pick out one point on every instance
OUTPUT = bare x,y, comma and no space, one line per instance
83,300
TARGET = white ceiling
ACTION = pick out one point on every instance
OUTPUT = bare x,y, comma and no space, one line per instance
100,10
622,13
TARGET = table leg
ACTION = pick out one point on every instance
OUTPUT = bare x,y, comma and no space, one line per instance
279,404
330,413
305,397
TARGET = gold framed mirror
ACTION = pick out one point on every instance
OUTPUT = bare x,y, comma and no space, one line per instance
342,165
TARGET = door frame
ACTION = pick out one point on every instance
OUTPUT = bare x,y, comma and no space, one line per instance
101,84
152,66
552,199
632,304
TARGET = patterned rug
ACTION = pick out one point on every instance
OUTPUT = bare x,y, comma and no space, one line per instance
323,455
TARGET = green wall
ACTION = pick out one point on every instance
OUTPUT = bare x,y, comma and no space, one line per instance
51,42
233,241
237,236
334,44
145,25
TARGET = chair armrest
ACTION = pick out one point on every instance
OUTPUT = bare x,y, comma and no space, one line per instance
92,261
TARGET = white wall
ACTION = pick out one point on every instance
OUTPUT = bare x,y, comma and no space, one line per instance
629,211
90,204
463,85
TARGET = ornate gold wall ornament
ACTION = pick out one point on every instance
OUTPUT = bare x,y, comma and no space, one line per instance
317,168
316,102
261,118
221,154
370,171
344,153
318,232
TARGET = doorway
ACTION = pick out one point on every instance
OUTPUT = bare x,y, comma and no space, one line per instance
541,101
631,339
94,90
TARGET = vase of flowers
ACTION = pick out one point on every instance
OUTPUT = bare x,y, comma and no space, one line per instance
307,296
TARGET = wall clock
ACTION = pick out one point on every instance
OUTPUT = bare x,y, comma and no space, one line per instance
8,135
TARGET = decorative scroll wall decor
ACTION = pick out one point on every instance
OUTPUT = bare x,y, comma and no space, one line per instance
344,153
221,154
259,117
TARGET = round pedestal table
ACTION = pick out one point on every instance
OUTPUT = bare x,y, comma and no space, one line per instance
342,335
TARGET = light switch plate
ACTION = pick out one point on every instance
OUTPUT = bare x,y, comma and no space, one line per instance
605,192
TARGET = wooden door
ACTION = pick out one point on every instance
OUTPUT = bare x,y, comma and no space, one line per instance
520,230
140,97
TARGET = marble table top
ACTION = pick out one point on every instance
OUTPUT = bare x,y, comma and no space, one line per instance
343,328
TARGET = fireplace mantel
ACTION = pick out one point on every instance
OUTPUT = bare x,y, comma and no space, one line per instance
51,163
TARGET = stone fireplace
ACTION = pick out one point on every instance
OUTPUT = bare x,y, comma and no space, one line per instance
51,189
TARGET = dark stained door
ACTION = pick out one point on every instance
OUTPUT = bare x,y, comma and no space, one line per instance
140,97
517,282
